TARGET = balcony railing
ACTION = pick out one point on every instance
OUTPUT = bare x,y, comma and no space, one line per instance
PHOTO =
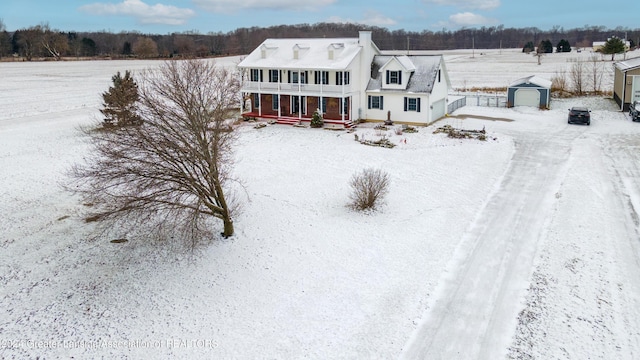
289,88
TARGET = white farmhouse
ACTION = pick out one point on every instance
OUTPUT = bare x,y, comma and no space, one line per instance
347,79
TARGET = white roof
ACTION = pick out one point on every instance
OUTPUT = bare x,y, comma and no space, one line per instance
533,79
628,64
279,54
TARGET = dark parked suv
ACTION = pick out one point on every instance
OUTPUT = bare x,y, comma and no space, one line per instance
579,115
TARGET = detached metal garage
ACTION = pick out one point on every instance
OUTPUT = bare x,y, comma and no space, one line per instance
626,82
530,91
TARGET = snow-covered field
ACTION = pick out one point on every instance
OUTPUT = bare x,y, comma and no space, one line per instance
524,246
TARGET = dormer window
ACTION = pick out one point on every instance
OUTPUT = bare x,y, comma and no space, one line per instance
335,49
394,77
299,50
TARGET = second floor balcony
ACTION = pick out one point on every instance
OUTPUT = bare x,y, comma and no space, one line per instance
295,88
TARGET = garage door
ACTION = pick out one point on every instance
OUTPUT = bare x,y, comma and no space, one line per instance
635,89
439,108
527,97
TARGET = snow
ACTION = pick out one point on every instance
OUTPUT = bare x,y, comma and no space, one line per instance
522,246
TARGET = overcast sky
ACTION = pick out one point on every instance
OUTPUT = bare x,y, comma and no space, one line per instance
204,16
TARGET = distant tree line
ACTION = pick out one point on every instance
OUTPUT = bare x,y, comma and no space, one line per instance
41,41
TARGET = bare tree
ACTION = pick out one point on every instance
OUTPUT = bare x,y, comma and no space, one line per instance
145,47
368,189
54,42
597,71
28,41
5,40
173,171
576,73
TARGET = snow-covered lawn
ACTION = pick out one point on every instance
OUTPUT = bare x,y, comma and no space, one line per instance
522,246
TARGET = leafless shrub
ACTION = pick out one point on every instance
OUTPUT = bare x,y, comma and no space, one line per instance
596,67
169,175
559,82
368,189
576,73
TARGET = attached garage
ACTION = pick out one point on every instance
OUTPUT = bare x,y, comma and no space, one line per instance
439,109
530,91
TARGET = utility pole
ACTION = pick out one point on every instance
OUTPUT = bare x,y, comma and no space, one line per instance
407,45
473,47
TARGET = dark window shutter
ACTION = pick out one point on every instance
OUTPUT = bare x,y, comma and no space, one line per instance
388,76
381,106
289,75
369,99
406,104
399,77
261,77
418,105
438,75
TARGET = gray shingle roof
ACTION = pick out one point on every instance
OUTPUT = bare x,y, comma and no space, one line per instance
421,80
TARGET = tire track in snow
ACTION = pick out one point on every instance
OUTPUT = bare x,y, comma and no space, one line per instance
473,313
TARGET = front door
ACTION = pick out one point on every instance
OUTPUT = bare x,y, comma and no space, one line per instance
298,105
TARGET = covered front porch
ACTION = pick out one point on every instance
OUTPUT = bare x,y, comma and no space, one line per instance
295,120
297,109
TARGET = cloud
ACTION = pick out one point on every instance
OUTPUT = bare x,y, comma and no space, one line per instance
470,19
467,4
144,13
370,18
228,6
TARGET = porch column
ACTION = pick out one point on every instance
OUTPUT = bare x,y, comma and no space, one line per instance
279,104
260,94
342,105
279,89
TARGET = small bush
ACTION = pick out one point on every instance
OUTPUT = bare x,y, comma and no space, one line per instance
316,120
368,189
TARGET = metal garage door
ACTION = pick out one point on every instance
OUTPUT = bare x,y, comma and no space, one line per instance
439,108
527,97
635,89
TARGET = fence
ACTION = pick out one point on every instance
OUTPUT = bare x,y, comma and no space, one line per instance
456,104
477,100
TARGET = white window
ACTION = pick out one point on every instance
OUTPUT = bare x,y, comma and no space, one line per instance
296,77
412,104
256,75
323,105
274,76
375,102
275,102
344,109
256,100
394,77
342,78
321,77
